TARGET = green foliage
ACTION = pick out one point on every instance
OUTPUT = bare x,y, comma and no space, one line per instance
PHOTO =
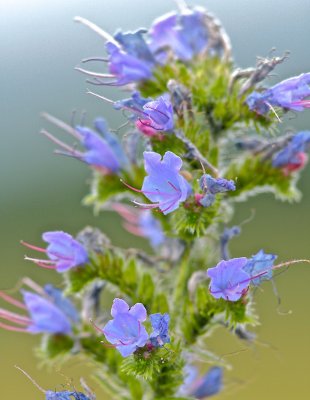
56,345
192,220
254,175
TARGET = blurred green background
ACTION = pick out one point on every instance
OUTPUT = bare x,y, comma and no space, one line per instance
39,46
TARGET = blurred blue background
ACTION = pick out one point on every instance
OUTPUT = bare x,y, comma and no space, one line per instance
39,46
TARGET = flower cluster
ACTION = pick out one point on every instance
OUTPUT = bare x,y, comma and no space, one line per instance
186,106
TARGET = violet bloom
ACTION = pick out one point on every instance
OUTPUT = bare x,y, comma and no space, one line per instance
159,114
129,57
225,238
164,185
126,331
293,157
228,279
185,35
260,262
63,251
141,223
209,384
103,150
289,94
44,314
160,325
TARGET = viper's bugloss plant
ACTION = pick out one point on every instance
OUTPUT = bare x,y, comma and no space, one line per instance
165,173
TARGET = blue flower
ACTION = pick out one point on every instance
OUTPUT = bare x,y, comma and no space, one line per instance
159,114
228,279
155,114
126,68
45,316
45,313
293,155
151,228
63,251
164,185
103,150
126,331
260,262
288,94
62,302
160,325
209,384
185,35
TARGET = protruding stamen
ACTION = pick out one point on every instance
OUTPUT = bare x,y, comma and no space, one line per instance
61,124
31,379
105,35
13,301
12,328
58,142
288,263
89,59
135,230
32,247
95,74
274,111
13,317
100,97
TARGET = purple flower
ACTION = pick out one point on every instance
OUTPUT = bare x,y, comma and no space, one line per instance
62,302
160,325
63,251
288,94
260,262
216,185
141,223
185,35
209,384
134,103
102,148
164,185
159,114
228,279
126,331
45,315
126,68
206,200
291,154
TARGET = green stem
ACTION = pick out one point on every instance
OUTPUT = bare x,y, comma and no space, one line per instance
184,273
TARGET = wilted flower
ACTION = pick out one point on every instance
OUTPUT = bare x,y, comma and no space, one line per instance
288,94
212,186
126,331
164,185
228,279
63,251
47,313
160,325
260,262
216,185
